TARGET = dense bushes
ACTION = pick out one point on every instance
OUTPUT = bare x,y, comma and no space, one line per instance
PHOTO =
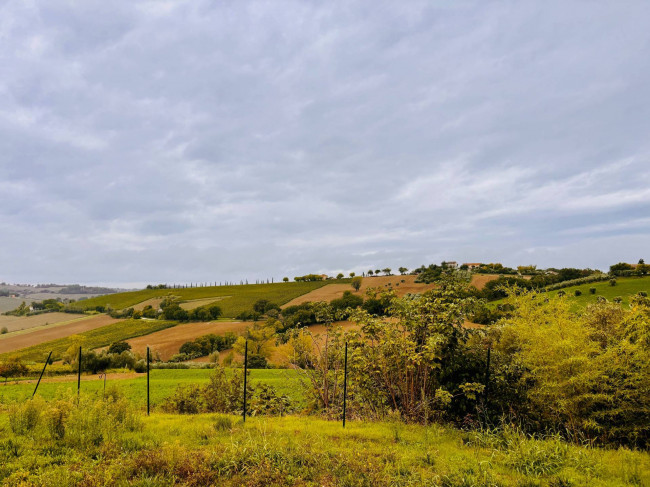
172,310
552,370
204,345
223,394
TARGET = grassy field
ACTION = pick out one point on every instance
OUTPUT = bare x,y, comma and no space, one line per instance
625,287
163,383
92,339
235,298
102,446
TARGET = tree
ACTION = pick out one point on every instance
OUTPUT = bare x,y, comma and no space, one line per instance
370,273
356,283
403,270
285,279
377,271
340,275
14,367
119,347
352,274
260,340
641,261
387,271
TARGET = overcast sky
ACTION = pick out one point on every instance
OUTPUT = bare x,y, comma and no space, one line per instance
187,141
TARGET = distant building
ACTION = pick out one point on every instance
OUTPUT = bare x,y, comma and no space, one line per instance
472,265
452,264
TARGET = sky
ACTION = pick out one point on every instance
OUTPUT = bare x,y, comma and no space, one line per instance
194,141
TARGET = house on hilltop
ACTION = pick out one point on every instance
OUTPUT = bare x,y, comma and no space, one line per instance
472,265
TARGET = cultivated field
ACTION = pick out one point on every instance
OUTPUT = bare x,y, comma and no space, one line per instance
8,304
15,323
96,338
232,299
336,290
167,342
35,336
625,288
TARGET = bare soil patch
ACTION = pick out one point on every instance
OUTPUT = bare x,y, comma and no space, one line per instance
334,291
480,280
9,343
167,342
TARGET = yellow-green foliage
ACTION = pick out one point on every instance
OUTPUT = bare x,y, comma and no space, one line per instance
588,373
106,443
235,298
99,337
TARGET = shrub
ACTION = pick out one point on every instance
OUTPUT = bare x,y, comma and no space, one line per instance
618,299
4,330
643,294
592,290
612,282
185,400
25,417
119,347
577,292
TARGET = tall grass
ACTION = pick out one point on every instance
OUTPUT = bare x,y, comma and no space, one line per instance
105,442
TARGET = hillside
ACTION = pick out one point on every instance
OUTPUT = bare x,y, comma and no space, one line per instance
99,337
624,288
234,299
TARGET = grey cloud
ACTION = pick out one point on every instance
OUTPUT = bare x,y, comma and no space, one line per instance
170,141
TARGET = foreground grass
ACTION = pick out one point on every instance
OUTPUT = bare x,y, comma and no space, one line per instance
163,383
102,444
99,337
235,298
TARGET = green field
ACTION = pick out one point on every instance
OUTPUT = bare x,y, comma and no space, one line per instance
625,287
100,337
163,383
235,298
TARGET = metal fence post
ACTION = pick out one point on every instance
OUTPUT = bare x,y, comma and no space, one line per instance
487,373
42,372
148,403
245,378
79,374
345,383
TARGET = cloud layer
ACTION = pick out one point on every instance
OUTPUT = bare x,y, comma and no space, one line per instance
199,141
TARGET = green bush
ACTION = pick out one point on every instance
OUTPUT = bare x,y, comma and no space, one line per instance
577,292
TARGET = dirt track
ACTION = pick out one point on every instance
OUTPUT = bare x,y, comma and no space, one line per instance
41,335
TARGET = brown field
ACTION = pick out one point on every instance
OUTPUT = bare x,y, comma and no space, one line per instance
12,342
334,291
167,342
480,280
16,323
